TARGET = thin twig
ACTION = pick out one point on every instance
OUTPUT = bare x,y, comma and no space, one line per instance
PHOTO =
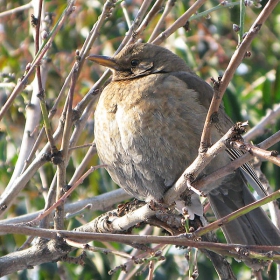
236,59
226,170
168,7
194,169
98,249
16,10
238,213
126,15
152,13
180,22
271,156
66,194
271,117
182,240
19,87
61,168
241,20
101,202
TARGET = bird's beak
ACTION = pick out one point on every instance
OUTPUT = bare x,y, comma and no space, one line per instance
104,61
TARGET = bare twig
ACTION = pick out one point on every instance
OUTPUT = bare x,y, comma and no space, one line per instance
271,156
168,7
155,9
240,212
180,22
194,169
98,249
61,167
101,202
232,250
236,59
36,61
16,10
271,116
126,15
226,170
8,197
62,198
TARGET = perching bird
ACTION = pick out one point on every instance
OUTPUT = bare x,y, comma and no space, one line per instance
148,125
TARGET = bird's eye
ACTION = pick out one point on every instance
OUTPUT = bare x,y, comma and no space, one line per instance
134,62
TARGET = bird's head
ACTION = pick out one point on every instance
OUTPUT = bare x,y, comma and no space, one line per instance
139,60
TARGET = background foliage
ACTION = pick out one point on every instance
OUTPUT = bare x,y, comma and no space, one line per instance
206,45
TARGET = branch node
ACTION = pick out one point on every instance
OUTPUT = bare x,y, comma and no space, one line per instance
46,157
216,83
257,27
78,57
121,267
29,266
242,251
94,91
66,188
41,95
203,147
214,117
247,54
274,153
235,27
3,207
76,114
34,20
189,179
224,3
240,127
56,157
45,34
270,254
244,35
186,26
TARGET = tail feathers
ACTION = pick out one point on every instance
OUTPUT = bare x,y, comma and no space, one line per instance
254,228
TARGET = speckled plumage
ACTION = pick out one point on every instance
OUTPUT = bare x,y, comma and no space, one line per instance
148,125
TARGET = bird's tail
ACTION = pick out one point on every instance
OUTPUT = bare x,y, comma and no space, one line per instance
254,228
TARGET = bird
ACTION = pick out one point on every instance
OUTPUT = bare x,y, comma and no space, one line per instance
148,124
